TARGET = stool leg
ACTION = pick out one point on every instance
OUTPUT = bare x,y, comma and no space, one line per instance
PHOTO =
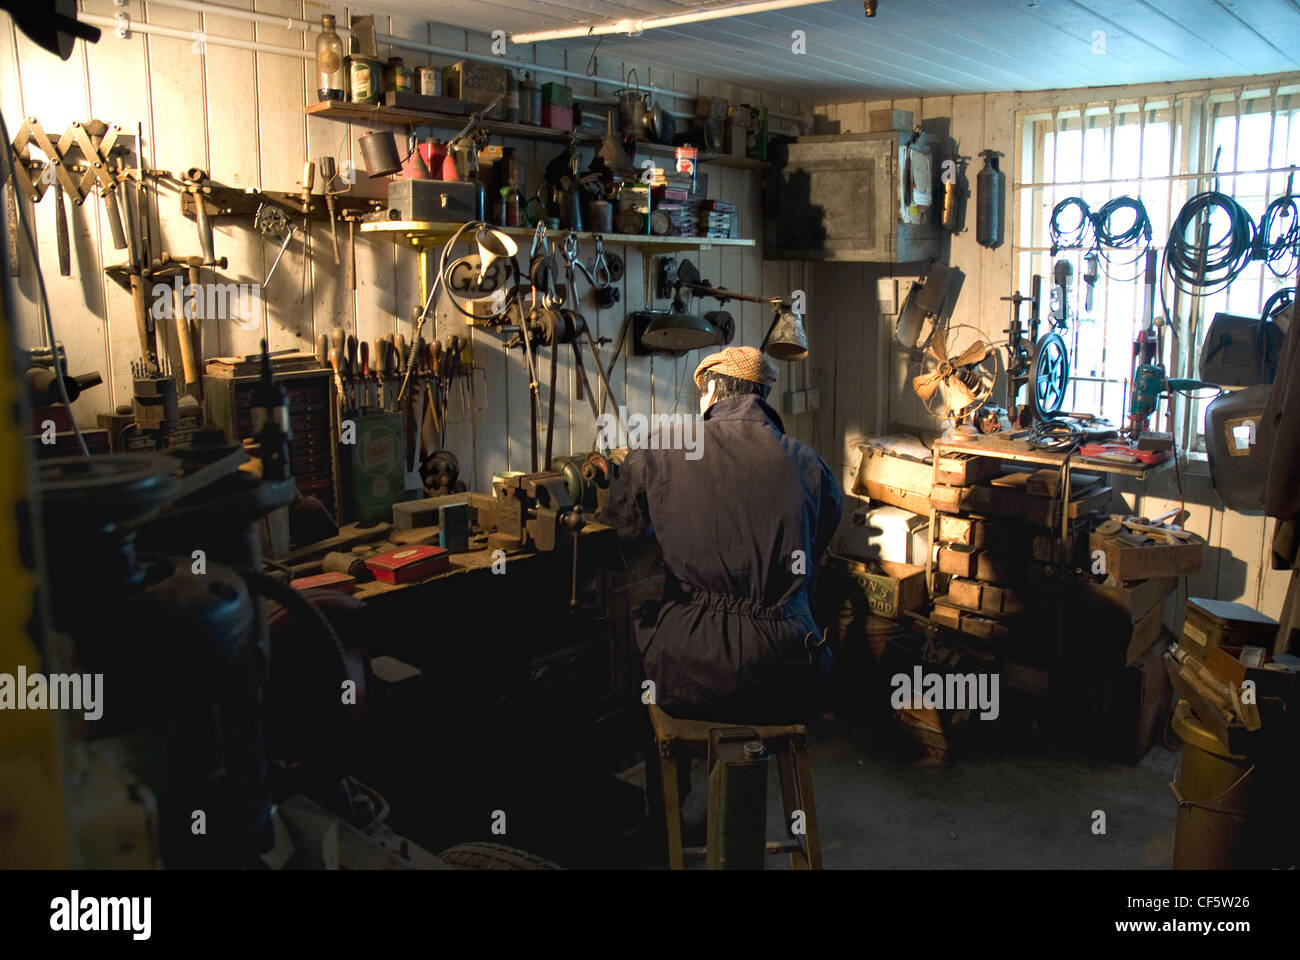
790,803
803,767
672,810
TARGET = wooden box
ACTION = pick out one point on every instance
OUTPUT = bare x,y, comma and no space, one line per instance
1152,560
958,560
882,121
895,480
1118,712
837,198
478,84
963,469
899,587
966,531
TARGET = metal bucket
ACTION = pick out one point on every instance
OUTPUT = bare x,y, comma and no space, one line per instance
379,153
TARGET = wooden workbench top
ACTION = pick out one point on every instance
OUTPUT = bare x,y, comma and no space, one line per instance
1020,451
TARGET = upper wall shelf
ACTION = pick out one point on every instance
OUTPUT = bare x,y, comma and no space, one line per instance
420,232
334,110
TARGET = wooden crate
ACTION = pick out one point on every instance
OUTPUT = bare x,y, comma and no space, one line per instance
1153,560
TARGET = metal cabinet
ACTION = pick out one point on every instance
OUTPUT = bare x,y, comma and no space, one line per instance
837,198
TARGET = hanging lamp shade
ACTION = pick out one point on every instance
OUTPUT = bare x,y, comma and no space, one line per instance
787,339
677,331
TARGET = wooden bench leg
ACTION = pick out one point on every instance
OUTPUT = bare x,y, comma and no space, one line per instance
790,803
803,767
672,810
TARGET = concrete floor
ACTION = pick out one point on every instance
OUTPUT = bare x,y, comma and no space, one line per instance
990,807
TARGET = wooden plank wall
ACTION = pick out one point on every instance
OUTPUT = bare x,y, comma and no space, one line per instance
239,114
866,382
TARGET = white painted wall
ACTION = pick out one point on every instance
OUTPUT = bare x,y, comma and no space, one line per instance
868,376
239,114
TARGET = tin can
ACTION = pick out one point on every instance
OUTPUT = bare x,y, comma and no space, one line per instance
428,81
364,79
398,77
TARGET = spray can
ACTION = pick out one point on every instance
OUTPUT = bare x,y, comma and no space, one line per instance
988,203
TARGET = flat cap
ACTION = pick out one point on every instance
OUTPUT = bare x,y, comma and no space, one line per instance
743,363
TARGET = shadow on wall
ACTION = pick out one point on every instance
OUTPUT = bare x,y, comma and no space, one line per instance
799,223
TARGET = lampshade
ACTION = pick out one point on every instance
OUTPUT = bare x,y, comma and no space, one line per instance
679,332
787,340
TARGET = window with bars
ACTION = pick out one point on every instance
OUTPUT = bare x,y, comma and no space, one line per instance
1244,143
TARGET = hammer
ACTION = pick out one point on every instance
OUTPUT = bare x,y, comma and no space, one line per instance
196,180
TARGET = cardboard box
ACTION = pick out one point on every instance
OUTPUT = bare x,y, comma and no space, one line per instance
895,480
557,118
899,587
967,531
557,95
959,560
882,121
1152,560
1211,623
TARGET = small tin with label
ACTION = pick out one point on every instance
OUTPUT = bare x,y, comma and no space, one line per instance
428,81
409,563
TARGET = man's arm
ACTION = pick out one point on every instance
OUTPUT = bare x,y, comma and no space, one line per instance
627,510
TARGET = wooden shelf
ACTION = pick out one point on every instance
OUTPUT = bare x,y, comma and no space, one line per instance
421,232
334,110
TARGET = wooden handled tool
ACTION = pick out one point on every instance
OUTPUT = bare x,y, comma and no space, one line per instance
61,232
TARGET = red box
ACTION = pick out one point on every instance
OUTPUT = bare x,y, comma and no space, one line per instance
557,118
409,563
326,581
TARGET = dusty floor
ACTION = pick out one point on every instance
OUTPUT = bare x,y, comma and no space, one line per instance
992,806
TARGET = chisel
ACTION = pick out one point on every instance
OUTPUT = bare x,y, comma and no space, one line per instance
61,232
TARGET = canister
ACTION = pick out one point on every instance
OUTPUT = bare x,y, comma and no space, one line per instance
365,81
428,81
398,77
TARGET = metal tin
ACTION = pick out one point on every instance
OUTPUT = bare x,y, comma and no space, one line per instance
398,77
428,81
379,153
530,101
365,80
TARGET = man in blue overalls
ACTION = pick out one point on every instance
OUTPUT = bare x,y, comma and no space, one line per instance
742,521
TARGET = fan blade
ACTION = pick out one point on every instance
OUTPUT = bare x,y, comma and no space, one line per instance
924,385
959,396
939,345
973,354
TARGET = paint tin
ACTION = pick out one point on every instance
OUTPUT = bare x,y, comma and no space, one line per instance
379,153
365,81
428,81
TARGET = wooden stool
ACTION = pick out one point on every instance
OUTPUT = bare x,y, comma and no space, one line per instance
682,739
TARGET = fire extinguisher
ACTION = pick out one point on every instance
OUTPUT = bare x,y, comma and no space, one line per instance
988,205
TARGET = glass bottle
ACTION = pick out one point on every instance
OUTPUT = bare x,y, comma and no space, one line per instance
331,84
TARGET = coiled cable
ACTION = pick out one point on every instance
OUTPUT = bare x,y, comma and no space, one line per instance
1198,270
1095,231
1279,254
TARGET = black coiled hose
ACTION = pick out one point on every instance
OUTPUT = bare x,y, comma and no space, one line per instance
1095,231
1280,253
1198,271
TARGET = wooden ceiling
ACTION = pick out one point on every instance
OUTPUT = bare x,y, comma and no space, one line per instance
920,47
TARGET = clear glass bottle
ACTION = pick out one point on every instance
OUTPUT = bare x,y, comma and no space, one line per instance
331,82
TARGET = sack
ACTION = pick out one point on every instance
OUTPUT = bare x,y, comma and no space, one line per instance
1240,351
